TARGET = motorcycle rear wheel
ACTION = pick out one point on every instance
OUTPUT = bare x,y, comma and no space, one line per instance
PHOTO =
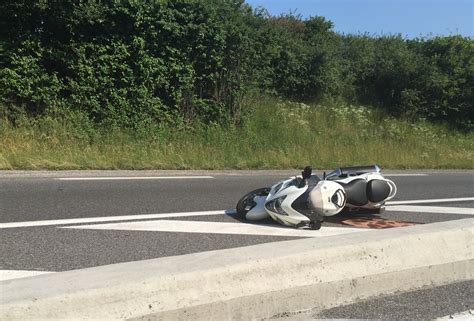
246,203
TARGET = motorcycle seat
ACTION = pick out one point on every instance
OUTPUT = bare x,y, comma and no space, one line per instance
378,190
359,192
356,192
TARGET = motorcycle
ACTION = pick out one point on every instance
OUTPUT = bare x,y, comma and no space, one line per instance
305,200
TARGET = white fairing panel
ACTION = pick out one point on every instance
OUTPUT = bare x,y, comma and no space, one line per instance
258,212
293,217
291,193
322,201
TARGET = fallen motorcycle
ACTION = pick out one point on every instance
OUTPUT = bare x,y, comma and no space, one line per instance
304,201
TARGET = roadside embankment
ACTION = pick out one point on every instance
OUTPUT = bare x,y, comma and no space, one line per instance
274,134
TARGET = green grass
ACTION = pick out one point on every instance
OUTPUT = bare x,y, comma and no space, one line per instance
273,134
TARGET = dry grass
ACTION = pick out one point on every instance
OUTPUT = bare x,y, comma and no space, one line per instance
273,135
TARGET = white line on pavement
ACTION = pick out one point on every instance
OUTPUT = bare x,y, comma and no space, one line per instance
403,175
107,219
86,220
431,209
437,200
17,274
128,178
219,228
173,177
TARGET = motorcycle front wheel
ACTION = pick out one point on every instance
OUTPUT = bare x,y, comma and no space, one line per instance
247,202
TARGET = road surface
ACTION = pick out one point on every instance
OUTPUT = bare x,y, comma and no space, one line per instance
58,221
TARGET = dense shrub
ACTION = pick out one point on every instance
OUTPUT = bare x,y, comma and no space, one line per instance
133,63
422,78
125,62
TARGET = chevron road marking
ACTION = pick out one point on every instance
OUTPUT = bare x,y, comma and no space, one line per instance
437,200
88,220
431,209
219,228
108,219
138,223
17,274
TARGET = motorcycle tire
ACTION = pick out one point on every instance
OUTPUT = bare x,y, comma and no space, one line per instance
246,203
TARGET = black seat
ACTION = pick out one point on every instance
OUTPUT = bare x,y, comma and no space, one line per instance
356,192
378,190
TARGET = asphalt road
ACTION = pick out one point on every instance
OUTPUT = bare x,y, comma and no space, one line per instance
445,302
39,198
43,196
32,199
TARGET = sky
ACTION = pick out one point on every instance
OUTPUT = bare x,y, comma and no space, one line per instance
410,18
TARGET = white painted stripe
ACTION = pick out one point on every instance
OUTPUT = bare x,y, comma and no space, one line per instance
403,175
436,200
128,178
431,209
17,274
108,219
466,315
219,228
87,220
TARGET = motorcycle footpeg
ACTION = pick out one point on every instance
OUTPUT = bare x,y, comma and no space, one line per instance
301,224
315,225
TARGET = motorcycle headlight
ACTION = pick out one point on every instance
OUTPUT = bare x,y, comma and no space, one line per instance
275,206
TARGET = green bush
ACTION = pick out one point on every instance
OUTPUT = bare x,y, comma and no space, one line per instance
124,63
136,63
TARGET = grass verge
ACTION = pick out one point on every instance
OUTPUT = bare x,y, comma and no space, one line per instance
273,134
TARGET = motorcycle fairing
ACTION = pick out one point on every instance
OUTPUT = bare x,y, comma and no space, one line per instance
327,198
291,192
305,204
258,212
287,187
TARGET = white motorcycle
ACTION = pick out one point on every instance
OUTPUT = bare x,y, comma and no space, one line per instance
304,201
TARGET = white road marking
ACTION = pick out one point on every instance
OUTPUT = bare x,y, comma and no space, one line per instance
403,175
431,209
436,200
128,178
86,220
108,219
219,228
466,315
17,274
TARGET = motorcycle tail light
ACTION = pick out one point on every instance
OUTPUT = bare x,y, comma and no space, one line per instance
339,198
